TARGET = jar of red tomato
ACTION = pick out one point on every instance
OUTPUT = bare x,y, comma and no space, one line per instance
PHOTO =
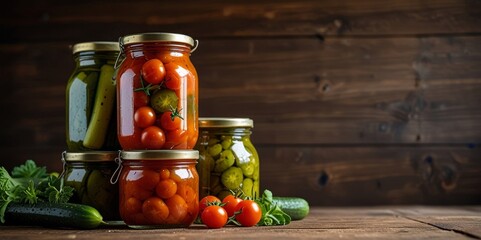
158,188
157,92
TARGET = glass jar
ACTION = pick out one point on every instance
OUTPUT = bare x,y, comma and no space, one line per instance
157,92
228,161
89,173
159,188
91,119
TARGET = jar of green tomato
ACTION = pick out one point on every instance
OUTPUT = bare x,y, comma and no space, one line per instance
228,161
89,173
91,120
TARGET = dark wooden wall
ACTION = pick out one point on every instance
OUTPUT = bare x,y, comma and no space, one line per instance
354,102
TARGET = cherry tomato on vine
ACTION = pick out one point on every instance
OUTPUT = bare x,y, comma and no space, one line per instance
144,117
250,213
153,137
205,200
170,121
214,216
153,71
230,203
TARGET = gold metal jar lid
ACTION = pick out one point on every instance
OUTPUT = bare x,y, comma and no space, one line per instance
217,122
160,155
158,37
95,46
90,156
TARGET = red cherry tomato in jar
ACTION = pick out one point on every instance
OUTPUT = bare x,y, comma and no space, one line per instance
176,139
249,213
170,121
144,117
153,71
230,203
214,217
152,138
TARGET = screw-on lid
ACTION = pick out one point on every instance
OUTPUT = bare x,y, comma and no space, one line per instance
160,155
95,46
90,156
157,37
217,122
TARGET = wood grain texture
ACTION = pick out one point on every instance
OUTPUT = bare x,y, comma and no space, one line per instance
340,175
380,102
57,21
322,223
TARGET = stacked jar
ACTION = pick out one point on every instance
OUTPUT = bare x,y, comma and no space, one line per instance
91,125
157,107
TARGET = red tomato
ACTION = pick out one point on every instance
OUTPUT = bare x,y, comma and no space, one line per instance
170,121
153,138
155,210
153,71
176,139
230,203
177,209
140,99
164,173
172,78
250,213
132,189
205,200
131,206
214,216
166,188
144,117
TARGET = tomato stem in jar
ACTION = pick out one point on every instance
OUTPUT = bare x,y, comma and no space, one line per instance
175,113
147,88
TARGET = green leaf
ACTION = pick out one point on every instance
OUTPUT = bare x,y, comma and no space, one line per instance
271,213
30,194
56,192
29,170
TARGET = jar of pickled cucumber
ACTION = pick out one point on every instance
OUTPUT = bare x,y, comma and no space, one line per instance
157,92
159,188
91,118
89,173
228,161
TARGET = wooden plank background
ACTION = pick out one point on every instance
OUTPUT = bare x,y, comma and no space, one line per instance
354,102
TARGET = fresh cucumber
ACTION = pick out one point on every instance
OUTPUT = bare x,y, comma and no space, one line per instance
56,215
103,107
296,207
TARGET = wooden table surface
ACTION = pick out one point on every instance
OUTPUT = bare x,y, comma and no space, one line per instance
403,222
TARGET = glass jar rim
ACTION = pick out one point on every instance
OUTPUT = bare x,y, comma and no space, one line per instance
160,155
220,122
90,156
95,46
157,37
